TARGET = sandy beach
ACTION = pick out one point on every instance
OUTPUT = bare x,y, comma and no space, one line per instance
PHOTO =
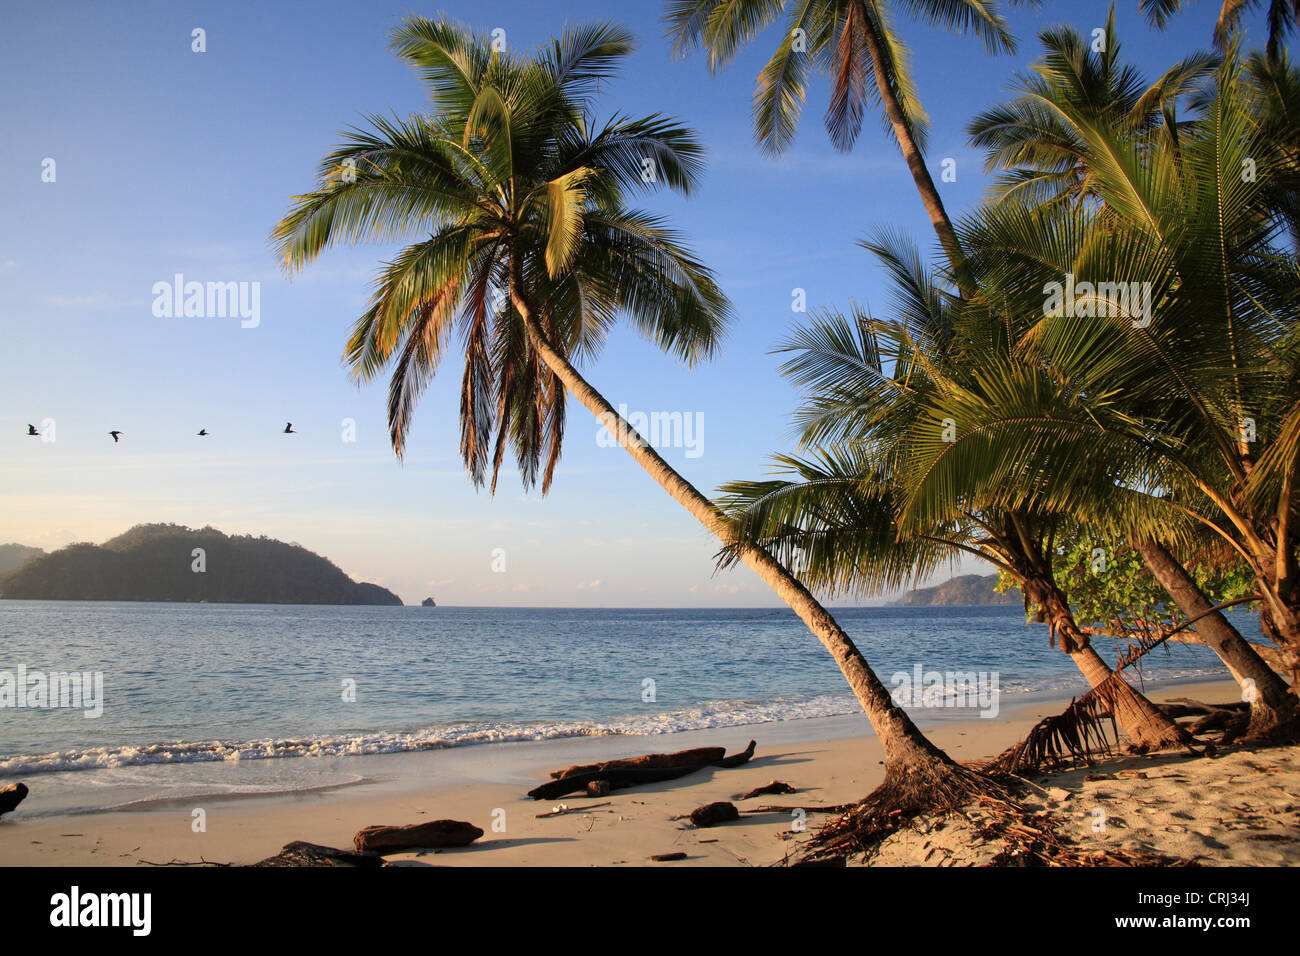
1240,808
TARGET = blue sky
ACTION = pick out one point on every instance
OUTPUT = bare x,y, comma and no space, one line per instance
170,161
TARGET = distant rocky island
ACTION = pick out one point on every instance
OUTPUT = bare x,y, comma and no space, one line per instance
965,589
170,562
428,602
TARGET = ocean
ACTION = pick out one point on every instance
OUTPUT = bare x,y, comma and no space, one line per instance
223,698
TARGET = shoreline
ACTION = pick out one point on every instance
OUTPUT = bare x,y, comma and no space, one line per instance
256,777
829,760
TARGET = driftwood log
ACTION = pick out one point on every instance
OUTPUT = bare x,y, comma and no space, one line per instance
776,786
416,836
636,771
11,796
301,853
1186,707
699,757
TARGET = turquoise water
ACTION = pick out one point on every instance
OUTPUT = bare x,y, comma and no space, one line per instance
195,683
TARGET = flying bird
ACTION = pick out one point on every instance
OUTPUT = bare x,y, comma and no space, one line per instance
288,428
116,435
31,430
203,431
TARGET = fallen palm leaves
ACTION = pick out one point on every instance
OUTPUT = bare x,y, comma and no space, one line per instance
1076,735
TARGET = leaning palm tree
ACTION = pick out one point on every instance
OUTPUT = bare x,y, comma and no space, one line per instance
867,384
1034,141
1088,124
854,41
1191,399
521,192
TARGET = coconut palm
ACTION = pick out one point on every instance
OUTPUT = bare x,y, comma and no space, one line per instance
1192,402
1038,142
867,384
532,252
855,43
1034,140
1283,17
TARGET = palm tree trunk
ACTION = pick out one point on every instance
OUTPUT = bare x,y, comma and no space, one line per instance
907,750
1146,726
1272,703
930,198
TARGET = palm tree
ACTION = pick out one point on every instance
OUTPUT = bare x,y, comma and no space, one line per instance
855,43
1192,404
521,193
1042,142
834,522
1035,141
1283,17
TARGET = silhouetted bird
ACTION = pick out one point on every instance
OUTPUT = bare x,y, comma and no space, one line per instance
203,431
288,428
115,435
31,430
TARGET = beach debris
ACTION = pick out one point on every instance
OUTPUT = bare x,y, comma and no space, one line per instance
561,809
598,788
775,787
201,861
667,857
711,814
834,808
12,795
301,853
1059,794
634,771
433,834
699,756
1077,735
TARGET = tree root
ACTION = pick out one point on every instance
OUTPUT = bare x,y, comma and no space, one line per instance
1027,839
930,787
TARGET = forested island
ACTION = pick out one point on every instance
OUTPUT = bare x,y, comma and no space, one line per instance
961,590
169,562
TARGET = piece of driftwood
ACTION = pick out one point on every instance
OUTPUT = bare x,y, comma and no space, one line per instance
621,778
301,853
775,787
666,857
11,796
561,811
1186,707
598,788
711,814
735,760
415,836
699,757
837,808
